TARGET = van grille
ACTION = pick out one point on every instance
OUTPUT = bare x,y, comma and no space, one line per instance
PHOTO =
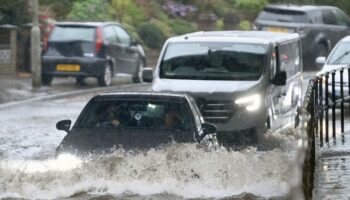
215,111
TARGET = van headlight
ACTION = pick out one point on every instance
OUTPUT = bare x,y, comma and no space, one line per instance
251,102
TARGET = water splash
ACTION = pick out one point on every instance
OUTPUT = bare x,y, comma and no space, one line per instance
180,169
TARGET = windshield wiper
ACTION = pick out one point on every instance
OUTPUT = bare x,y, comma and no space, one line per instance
215,70
341,57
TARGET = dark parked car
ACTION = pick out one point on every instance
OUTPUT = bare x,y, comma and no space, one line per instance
91,49
320,27
138,121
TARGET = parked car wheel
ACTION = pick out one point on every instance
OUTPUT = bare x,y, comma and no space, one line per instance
320,50
46,79
137,78
80,80
106,78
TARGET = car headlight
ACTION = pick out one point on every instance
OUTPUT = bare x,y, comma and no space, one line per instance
251,102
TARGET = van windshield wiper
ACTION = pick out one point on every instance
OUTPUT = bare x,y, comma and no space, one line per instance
341,57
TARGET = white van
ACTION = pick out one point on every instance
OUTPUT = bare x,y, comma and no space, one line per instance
245,81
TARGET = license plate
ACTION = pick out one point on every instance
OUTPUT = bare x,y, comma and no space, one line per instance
277,29
68,67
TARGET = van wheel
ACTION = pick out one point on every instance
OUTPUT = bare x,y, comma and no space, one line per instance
137,78
46,79
106,78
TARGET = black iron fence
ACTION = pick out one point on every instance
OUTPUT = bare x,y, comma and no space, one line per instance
323,117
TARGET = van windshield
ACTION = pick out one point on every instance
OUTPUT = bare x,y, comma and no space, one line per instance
213,61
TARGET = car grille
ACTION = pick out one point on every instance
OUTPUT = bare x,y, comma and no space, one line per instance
215,111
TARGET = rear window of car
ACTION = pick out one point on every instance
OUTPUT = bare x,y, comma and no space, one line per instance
73,33
281,15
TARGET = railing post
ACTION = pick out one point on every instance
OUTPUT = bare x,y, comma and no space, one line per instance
320,111
327,106
342,102
316,104
333,105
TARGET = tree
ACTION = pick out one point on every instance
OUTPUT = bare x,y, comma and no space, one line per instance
129,12
14,12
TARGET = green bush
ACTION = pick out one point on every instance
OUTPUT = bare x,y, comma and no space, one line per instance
180,27
151,35
250,8
245,25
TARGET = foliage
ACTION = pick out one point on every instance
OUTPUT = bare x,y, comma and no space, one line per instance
245,25
14,12
180,27
151,35
250,8
90,10
128,12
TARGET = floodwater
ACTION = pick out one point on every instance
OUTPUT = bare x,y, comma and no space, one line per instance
29,168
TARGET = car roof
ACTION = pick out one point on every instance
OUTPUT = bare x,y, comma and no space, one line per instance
95,24
143,95
235,36
294,7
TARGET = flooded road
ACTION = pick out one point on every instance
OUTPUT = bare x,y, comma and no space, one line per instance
30,170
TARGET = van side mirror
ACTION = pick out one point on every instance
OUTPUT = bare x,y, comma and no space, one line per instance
320,61
64,125
147,74
280,78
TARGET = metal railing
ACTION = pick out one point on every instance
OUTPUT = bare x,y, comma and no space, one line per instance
320,118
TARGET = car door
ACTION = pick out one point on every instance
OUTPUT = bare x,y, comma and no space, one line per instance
290,62
113,48
129,57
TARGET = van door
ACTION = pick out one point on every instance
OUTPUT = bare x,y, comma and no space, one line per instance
290,62
274,94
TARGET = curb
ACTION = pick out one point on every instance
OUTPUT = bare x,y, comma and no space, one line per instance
59,95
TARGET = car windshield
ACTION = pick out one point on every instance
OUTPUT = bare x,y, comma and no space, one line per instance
213,61
340,55
72,33
281,15
136,113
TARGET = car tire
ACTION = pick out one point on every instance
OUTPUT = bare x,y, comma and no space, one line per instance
80,80
46,79
106,78
137,78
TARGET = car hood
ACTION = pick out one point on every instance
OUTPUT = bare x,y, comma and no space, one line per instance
329,68
201,86
104,139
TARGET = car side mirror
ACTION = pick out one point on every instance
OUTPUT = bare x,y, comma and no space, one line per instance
280,78
320,61
64,125
208,128
147,74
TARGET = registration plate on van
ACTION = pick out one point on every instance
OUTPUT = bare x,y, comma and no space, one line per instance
68,67
277,29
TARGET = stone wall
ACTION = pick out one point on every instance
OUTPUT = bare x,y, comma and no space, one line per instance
8,49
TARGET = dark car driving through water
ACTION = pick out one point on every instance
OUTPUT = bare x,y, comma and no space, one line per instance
137,121
91,49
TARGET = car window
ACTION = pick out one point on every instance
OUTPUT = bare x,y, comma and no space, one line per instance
123,36
329,17
341,18
213,61
289,58
110,34
281,15
73,33
145,114
340,54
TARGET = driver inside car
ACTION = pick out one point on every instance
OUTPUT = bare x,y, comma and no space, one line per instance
172,118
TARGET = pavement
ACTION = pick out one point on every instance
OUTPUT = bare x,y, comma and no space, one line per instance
17,88
332,171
